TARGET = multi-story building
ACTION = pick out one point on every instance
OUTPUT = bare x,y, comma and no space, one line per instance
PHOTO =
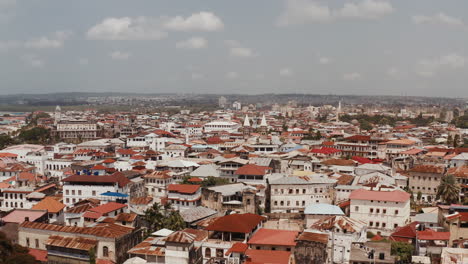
293,193
184,196
77,130
382,211
425,179
82,187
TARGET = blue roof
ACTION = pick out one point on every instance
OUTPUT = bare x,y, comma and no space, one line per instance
115,194
295,148
323,209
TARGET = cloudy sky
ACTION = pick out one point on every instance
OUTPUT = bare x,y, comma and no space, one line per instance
399,47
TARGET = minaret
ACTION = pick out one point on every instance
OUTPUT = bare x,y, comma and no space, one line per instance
58,114
246,128
263,127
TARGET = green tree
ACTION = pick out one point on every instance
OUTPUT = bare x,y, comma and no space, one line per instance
35,135
214,181
318,135
5,141
13,253
449,140
159,217
448,190
403,250
456,140
365,125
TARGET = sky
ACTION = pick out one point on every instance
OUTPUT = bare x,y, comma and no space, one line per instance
364,47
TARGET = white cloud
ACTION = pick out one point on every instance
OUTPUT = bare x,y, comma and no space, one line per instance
202,21
127,28
232,75
192,43
304,11
197,76
33,61
286,72
55,41
309,11
367,9
325,60
237,50
429,67
439,18
120,55
353,76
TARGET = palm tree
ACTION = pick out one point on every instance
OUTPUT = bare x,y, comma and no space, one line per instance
449,190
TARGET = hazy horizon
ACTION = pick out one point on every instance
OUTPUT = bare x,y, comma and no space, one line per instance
337,47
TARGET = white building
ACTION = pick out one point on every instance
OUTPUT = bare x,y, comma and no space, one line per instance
293,194
343,231
184,196
382,211
221,126
82,187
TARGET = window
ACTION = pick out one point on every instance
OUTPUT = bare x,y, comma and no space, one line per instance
396,212
94,193
276,203
395,225
356,208
27,242
384,224
377,211
105,251
384,211
207,253
67,192
79,192
37,243
371,223
377,224
219,253
371,210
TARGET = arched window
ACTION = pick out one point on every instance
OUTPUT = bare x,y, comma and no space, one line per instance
105,251
207,253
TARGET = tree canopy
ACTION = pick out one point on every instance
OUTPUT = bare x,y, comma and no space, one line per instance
159,217
448,190
35,135
13,253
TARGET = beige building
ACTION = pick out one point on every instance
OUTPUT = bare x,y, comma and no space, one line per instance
109,241
425,179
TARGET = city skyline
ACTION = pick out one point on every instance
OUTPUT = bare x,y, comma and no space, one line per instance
366,47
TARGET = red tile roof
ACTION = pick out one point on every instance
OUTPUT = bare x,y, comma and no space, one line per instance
50,204
274,237
433,235
114,178
358,138
325,150
98,167
405,233
267,256
252,169
428,169
100,230
392,196
238,247
38,254
236,223
108,207
183,188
